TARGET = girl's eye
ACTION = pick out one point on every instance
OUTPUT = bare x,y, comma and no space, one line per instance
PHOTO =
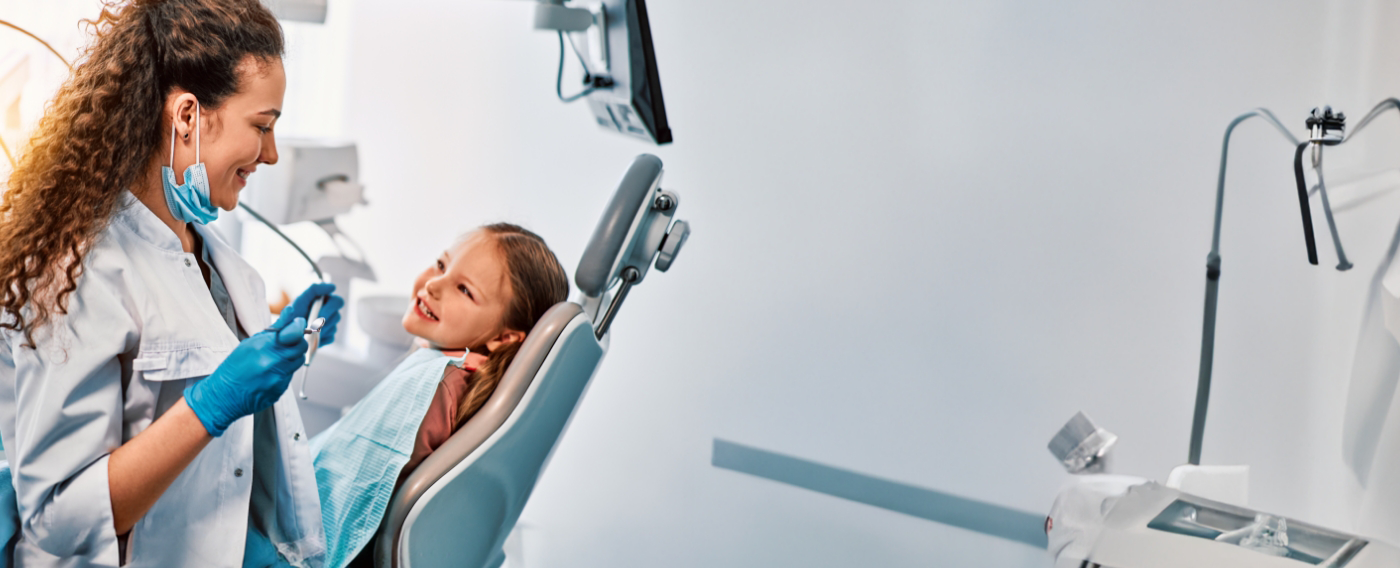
440,266
464,290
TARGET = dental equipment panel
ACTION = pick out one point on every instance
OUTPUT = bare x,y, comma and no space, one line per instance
458,506
620,78
312,180
1151,526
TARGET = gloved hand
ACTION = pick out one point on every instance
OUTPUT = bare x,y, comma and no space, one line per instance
301,307
252,377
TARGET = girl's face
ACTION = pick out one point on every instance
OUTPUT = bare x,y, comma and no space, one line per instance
460,301
237,137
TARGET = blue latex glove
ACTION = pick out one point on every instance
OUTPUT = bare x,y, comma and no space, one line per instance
329,310
252,377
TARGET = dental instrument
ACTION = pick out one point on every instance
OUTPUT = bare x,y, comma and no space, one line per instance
314,321
313,340
313,181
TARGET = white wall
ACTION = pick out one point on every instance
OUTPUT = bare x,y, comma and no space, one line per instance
56,21
926,233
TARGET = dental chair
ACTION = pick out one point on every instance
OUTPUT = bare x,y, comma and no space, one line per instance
458,506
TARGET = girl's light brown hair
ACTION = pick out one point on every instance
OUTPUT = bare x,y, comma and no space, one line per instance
537,282
101,131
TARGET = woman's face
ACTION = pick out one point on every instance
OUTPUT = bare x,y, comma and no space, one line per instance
235,138
460,301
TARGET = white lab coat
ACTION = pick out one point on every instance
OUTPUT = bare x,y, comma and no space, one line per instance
140,327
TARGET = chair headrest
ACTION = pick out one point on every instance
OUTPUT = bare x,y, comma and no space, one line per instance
613,238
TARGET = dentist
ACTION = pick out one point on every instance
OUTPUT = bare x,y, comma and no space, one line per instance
142,400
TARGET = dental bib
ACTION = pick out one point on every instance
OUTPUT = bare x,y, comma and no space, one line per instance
189,202
358,459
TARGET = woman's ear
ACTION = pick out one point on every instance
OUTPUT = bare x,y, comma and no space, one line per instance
506,337
182,111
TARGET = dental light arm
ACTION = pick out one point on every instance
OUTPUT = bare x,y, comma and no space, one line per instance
1325,128
1198,423
1375,111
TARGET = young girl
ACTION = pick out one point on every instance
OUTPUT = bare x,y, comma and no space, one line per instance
471,309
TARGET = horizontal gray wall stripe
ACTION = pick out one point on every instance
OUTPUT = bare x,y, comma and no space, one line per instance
937,506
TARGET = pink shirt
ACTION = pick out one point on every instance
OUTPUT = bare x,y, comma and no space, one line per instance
440,421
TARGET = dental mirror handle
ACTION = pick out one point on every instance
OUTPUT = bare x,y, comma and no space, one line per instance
313,338
313,328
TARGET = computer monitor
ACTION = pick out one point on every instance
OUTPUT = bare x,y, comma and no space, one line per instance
633,105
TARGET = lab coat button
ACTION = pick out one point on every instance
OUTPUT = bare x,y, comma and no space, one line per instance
187,262
296,436
238,472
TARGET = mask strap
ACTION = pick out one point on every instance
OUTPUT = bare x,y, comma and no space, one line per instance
196,137
172,142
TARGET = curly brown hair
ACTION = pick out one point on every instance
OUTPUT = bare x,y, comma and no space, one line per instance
101,131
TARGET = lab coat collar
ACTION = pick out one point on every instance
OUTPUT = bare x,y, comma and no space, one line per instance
247,296
144,223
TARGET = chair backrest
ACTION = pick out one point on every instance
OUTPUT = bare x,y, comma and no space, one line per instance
458,506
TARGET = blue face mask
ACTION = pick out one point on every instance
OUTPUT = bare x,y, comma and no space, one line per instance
189,202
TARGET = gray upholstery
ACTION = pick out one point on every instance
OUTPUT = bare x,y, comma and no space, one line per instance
501,475
457,508
600,259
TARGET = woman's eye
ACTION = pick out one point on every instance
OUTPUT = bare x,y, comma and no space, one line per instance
264,129
440,265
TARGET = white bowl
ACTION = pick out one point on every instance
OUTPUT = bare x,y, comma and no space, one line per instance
382,319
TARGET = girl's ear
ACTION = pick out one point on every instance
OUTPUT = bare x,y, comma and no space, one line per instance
506,337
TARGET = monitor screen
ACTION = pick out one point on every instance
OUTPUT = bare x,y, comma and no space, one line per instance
633,105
